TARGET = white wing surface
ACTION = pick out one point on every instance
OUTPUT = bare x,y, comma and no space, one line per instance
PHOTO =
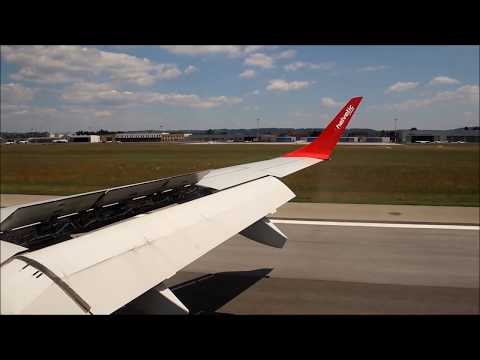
93,253
109,267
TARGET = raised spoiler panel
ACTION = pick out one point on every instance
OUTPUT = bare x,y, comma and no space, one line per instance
14,217
109,267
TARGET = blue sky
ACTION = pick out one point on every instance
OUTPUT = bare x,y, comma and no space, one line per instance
68,88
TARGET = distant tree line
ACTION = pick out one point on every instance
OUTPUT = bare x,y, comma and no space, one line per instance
99,132
23,135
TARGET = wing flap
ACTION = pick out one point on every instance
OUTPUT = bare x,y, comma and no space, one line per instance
113,265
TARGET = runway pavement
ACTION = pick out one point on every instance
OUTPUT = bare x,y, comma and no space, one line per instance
340,267
344,270
382,213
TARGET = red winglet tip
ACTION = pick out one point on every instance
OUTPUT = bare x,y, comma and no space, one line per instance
323,145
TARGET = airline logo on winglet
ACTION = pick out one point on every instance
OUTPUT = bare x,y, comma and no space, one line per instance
348,112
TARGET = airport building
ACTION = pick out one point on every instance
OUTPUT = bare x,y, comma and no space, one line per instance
150,137
355,139
468,135
41,140
84,138
214,137
347,139
230,138
375,139
285,139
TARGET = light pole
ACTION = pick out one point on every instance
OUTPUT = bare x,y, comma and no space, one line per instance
395,121
258,129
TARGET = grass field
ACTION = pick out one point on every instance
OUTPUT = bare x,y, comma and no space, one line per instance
443,174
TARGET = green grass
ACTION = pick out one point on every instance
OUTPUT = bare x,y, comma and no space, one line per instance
410,174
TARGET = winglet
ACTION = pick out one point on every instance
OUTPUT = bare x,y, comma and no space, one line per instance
323,145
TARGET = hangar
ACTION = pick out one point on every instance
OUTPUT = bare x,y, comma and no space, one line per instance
150,137
84,138
468,135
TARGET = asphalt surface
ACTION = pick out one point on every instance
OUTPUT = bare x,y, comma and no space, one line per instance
383,213
338,270
341,269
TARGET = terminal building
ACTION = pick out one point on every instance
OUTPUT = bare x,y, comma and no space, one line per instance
230,138
349,139
285,139
467,135
150,137
84,138
356,139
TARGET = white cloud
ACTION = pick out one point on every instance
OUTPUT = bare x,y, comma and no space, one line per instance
63,64
328,102
256,92
85,92
282,85
287,54
252,52
13,93
304,65
260,60
199,50
401,87
202,49
98,113
443,80
467,94
190,69
371,68
20,116
252,48
103,113
17,109
247,74
107,95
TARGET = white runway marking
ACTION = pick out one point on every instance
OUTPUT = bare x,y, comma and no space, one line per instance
374,224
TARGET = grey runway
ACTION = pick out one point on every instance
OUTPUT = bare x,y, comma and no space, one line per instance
339,270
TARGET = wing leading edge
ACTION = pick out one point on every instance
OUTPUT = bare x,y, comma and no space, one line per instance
319,150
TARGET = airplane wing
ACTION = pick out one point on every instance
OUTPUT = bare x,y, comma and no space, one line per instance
93,253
